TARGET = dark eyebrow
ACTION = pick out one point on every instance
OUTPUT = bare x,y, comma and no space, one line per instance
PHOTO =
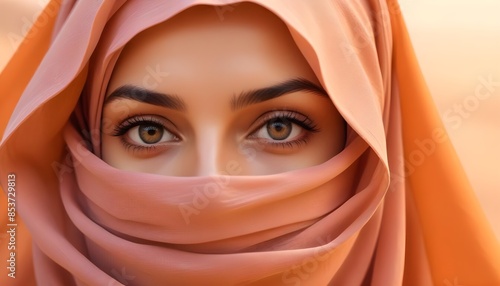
267,93
147,96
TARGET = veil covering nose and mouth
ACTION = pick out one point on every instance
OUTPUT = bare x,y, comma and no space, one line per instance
409,217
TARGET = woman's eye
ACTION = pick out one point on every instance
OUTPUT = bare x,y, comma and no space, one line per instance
148,134
278,129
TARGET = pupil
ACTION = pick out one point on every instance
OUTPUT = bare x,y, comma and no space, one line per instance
150,134
279,129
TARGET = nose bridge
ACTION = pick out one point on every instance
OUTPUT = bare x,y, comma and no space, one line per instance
210,146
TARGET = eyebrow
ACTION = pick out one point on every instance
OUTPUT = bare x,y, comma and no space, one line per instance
146,96
237,102
271,92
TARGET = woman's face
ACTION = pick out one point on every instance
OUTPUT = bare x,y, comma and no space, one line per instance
210,93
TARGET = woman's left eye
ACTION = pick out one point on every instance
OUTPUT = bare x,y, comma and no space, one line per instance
284,129
278,129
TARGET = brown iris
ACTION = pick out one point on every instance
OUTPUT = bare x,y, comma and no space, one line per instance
150,134
279,128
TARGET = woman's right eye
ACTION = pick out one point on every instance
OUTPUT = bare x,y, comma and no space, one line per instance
144,131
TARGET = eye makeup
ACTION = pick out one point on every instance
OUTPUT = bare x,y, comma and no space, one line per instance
300,126
142,127
283,130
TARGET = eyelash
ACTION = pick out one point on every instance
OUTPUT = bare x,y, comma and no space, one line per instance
294,117
136,120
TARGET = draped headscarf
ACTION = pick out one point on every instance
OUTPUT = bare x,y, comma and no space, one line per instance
409,216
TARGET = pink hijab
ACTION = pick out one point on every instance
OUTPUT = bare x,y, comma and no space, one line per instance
96,225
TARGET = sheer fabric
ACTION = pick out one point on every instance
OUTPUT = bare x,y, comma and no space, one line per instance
408,217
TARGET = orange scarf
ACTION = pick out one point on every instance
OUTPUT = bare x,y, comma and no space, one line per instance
411,218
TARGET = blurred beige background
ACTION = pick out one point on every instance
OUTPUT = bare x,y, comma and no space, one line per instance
458,45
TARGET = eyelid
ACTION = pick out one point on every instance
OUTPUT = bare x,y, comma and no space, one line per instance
139,119
294,116
121,130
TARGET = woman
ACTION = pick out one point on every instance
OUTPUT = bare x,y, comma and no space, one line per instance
173,175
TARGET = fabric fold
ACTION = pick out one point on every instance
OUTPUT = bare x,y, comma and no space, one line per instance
365,217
